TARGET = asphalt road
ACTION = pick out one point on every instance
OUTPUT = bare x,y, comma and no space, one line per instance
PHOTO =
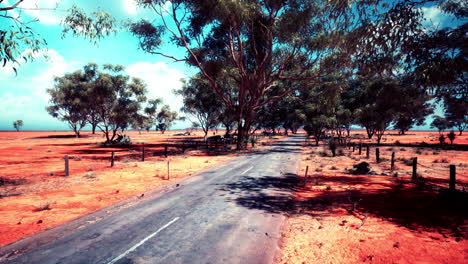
231,213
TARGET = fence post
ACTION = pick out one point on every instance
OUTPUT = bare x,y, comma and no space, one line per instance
165,151
415,167
353,146
377,155
360,149
393,161
367,151
168,169
66,165
143,153
452,178
305,175
112,159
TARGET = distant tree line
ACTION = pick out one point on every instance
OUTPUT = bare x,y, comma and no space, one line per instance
108,100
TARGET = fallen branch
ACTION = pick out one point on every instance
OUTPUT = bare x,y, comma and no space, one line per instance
355,211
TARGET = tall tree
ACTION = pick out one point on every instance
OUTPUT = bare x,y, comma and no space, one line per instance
456,112
68,100
383,100
414,107
257,44
117,100
17,125
319,108
440,123
165,118
201,102
151,110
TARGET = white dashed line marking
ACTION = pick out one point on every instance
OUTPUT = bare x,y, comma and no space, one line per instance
143,241
246,170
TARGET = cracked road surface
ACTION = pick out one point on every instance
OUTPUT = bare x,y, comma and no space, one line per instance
230,213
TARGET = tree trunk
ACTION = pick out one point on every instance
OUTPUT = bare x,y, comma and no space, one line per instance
370,133
228,130
106,132
93,128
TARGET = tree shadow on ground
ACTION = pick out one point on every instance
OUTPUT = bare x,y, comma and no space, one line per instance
409,206
60,136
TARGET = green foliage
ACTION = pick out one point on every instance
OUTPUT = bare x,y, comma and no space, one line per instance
438,56
19,42
456,112
451,136
18,124
165,118
69,100
201,102
440,123
414,106
320,106
93,27
109,98
442,139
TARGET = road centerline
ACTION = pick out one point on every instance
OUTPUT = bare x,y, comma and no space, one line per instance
143,241
246,170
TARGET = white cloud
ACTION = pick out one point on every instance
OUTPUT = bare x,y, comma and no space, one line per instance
161,81
24,96
434,16
130,6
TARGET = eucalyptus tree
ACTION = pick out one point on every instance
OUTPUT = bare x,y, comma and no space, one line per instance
17,125
165,118
438,56
414,105
151,110
456,111
440,123
117,99
319,108
201,102
69,100
257,44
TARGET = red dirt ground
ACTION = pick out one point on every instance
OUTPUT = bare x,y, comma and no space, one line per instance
32,165
407,222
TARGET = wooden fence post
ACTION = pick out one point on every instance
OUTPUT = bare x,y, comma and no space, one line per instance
353,147
143,153
367,151
66,165
415,167
112,159
360,149
452,178
393,161
377,155
305,175
165,151
168,169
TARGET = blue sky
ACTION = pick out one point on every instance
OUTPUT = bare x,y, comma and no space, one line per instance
24,96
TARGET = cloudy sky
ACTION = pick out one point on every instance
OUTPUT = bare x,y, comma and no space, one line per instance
23,96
